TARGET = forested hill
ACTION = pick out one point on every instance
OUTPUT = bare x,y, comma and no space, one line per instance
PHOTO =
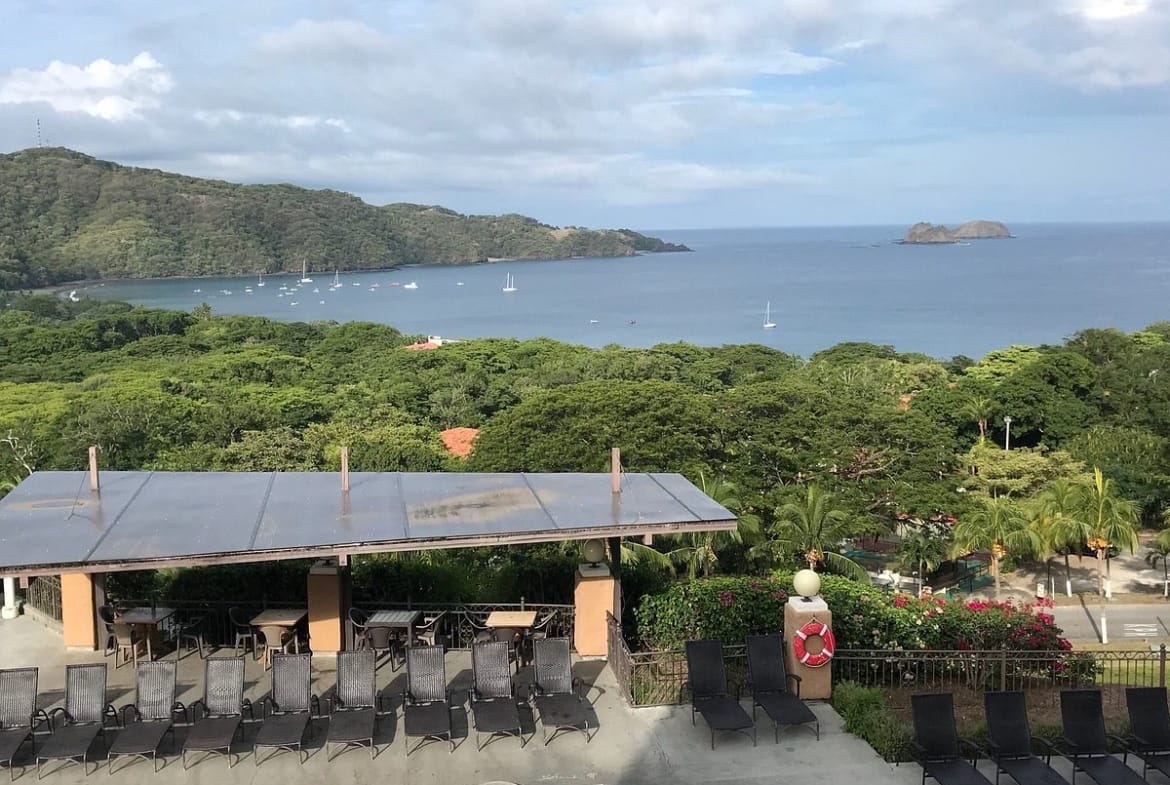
66,216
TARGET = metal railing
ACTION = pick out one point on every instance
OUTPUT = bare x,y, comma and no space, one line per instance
44,594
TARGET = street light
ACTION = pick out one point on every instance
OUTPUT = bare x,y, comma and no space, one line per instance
1007,433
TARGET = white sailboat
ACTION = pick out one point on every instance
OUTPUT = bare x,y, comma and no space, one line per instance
768,323
260,280
336,280
509,283
305,272
411,285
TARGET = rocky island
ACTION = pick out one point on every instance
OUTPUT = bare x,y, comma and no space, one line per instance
923,233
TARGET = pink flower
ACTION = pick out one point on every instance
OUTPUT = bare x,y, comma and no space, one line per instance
726,598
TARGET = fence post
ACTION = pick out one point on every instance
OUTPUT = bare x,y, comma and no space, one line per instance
1003,661
1162,665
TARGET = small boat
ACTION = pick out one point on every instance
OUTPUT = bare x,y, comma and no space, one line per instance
197,291
459,283
392,283
633,321
355,283
336,280
316,290
305,272
509,283
294,302
260,280
247,290
593,321
411,285
225,291
768,323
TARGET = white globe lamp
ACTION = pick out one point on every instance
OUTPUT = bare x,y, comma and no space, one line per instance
806,583
593,551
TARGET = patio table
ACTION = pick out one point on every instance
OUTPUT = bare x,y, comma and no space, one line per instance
521,620
280,617
147,620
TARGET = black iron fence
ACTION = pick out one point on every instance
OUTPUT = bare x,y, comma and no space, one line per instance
44,595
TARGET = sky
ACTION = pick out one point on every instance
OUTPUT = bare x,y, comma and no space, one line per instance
671,115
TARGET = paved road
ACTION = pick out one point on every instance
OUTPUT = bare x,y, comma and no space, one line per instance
1149,622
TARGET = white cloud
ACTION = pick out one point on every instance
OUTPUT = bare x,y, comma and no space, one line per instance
102,89
1107,10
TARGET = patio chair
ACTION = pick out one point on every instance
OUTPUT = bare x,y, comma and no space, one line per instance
219,714
107,616
126,643
511,637
18,713
149,719
493,698
245,633
353,709
275,639
1010,740
82,719
708,686
426,705
190,629
1086,743
769,681
936,744
289,706
1149,727
428,634
555,690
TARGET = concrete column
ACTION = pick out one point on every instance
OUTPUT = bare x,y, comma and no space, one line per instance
9,610
596,592
79,611
327,607
816,683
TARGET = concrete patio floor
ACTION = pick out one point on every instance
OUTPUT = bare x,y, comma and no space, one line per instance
629,747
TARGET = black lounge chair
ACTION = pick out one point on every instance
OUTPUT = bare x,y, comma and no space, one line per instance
18,713
555,691
1086,743
82,719
1149,727
936,744
353,709
493,698
1009,741
426,704
218,715
769,682
149,719
289,707
708,685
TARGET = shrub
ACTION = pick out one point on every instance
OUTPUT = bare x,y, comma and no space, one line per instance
867,715
726,608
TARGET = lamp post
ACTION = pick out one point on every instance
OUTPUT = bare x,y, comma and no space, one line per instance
1007,433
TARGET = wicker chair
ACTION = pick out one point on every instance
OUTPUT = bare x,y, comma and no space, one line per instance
82,719
219,714
149,719
353,709
18,713
108,617
289,706
493,698
555,692
277,640
427,701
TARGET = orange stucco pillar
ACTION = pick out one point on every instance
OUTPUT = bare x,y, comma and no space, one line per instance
815,683
596,592
79,601
328,603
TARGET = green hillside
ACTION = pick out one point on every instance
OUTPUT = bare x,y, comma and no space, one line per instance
65,216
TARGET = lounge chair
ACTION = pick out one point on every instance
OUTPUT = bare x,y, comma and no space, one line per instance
289,706
18,713
769,681
353,709
149,719
219,714
555,692
426,705
936,744
708,685
1086,743
493,698
82,719
1009,741
1149,727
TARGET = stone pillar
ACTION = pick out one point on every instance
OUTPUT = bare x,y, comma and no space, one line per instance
10,609
596,592
816,683
79,604
327,607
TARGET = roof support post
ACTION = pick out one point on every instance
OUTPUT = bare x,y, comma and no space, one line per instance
94,480
81,594
344,469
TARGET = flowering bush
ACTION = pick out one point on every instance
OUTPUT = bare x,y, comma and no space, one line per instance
727,608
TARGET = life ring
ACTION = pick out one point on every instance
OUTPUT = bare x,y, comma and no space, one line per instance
800,650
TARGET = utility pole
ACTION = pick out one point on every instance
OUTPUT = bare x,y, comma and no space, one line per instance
1007,433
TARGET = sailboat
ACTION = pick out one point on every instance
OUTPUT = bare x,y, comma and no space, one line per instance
768,323
509,283
305,272
260,280
336,280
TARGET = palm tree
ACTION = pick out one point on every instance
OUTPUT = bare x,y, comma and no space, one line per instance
919,551
979,409
1160,552
1111,520
698,551
1058,518
814,528
1000,527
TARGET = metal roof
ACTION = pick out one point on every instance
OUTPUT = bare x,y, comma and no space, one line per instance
53,522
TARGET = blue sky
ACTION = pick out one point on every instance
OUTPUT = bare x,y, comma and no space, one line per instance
691,113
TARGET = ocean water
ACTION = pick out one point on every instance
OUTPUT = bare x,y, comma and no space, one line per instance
825,285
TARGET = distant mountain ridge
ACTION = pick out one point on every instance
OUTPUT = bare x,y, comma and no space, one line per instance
66,216
925,233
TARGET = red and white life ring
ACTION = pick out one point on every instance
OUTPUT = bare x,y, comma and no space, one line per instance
820,630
